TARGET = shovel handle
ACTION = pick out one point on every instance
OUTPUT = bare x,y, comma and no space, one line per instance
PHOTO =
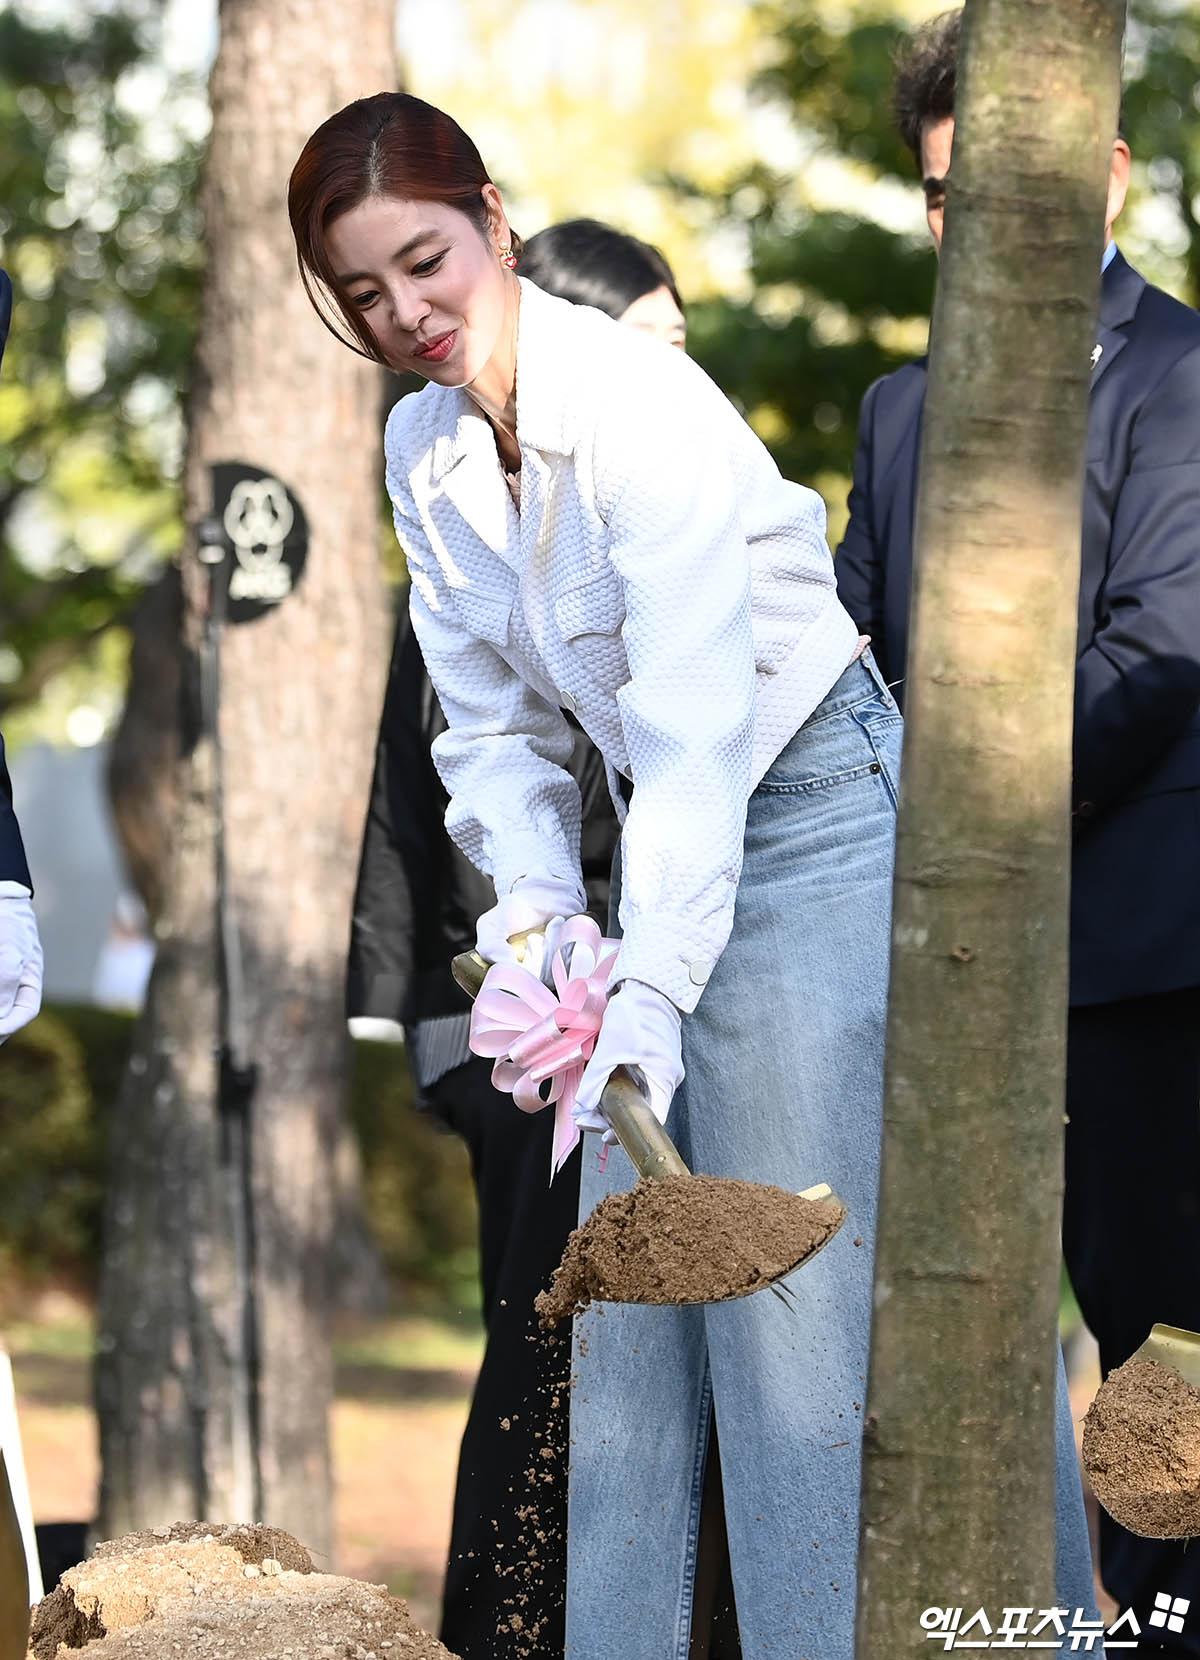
650,1148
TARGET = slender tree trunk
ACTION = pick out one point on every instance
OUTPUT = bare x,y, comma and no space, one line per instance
958,1480
300,698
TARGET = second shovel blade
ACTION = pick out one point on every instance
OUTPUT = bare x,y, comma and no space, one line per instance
1174,1347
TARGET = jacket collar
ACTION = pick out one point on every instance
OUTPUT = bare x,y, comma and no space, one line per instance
463,431
464,462
1121,290
547,403
543,392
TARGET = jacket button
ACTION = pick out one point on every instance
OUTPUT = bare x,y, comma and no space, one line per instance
568,703
1085,809
699,971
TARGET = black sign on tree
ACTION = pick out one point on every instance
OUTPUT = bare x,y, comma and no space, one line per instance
262,527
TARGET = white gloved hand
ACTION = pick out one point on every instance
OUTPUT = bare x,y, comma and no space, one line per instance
20,964
641,1028
538,908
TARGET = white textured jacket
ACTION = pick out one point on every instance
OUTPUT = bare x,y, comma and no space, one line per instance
661,581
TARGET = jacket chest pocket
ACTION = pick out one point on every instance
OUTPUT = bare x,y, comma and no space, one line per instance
594,607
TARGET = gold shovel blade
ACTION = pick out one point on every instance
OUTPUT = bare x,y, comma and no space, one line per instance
1176,1348
644,1139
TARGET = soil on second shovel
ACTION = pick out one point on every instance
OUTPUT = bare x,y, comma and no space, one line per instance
1141,1450
686,1239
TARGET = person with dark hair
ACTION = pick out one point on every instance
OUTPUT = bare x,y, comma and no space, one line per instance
20,946
590,263
923,87
1131,1222
592,530
416,906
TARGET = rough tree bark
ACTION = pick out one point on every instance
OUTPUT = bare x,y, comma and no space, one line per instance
958,1504
143,760
143,770
300,699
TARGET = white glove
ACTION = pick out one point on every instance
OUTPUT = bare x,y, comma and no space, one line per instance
641,1028
20,964
538,908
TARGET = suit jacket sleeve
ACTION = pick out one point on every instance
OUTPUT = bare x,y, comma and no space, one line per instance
417,898
394,854
13,864
1137,683
857,565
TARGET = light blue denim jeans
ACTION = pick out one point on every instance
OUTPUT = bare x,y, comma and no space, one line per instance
784,1060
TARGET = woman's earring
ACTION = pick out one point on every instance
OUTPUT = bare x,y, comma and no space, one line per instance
508,258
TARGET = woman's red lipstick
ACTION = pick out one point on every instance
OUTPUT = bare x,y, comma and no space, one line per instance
433,351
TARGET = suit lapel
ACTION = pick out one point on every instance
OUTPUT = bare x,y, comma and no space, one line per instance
1120,291
537,479
1109,345
468,471
901,536
466,467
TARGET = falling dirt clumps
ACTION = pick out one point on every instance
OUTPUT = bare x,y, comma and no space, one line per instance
686,1239
1141,1450
197,1588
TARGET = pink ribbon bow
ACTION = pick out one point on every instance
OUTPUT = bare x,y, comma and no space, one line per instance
539,1038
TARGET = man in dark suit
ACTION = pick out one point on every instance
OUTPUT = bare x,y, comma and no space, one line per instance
20,948
1131,1228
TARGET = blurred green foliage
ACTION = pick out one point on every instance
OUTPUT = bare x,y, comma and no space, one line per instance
58,1082
99,162
420,1199
50,1154
1161,119
838,296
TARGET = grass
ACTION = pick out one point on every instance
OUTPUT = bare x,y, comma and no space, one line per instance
66,1335
411,1343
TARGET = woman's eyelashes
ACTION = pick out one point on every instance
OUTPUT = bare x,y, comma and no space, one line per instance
426,268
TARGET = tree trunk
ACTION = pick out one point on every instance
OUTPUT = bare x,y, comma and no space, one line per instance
181,1435
143,767
958,1500
143,761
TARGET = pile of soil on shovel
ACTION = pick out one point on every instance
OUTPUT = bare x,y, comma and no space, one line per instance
245,1593
1141,1450
686,1239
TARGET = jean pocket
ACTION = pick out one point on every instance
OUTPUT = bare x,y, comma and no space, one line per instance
883,727
850,746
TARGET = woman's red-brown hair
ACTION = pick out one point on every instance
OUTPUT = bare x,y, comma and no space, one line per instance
389,145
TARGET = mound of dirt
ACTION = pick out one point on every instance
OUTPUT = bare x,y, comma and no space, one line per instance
198,1588
1141,1450
686,1239
254,1544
